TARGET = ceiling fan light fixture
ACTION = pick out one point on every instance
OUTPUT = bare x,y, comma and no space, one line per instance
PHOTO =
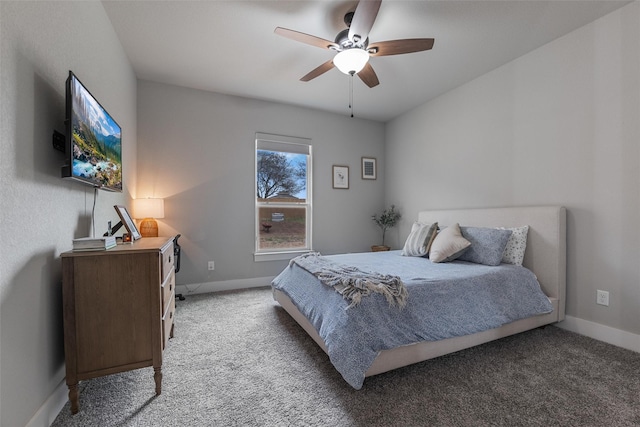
351,60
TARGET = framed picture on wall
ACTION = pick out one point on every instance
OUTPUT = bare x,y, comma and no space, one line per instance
341,177
369,168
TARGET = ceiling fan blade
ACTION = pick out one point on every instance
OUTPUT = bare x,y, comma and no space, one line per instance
318,71
305,38
363,19
397,47
368,76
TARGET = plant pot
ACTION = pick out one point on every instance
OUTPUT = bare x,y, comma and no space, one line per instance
380,248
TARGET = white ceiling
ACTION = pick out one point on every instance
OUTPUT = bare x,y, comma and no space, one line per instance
230,47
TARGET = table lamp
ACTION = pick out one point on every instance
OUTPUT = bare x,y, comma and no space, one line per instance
148,210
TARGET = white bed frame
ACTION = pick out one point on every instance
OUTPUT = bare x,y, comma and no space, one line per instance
545,256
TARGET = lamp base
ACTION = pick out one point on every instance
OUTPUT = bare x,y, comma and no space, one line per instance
149,228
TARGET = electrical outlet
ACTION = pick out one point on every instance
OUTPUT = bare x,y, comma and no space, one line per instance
602,297
211,266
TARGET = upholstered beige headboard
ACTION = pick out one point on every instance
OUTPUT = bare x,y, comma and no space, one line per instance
546,253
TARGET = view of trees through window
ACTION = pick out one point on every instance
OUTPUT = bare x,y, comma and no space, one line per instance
282,204
281,173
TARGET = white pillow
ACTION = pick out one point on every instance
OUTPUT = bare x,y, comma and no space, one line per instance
516,245
420,239
448,245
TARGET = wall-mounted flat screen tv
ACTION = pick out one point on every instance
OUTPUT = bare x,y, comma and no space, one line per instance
93,140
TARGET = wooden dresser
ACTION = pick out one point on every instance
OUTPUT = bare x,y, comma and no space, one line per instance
118,308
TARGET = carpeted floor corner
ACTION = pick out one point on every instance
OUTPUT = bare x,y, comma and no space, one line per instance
238,359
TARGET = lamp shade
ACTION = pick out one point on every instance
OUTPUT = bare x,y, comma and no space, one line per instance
351,60
148,208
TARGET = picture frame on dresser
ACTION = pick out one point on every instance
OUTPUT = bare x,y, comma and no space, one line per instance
128,222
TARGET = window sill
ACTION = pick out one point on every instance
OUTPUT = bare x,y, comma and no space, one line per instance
278,256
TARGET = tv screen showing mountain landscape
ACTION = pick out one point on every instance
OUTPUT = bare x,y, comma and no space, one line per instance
96,141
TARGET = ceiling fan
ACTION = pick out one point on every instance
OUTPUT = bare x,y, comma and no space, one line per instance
352,45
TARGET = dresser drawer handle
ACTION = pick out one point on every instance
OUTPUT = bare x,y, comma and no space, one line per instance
169,258
171,315
170,287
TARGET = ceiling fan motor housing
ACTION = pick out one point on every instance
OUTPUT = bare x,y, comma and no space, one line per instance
342,39
348,17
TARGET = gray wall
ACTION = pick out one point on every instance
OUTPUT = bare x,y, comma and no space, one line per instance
559,125
40,213
196,150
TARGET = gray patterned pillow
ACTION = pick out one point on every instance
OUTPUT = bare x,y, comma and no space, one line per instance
487,245
420,239
516,245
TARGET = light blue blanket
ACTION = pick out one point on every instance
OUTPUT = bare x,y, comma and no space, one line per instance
444,300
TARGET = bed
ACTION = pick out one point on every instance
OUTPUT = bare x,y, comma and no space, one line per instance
544,259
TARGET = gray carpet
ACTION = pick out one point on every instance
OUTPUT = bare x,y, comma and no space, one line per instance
238,359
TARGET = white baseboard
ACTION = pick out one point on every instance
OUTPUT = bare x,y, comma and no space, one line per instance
600,332
48,412
225,285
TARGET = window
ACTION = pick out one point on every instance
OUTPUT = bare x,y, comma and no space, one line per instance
283,196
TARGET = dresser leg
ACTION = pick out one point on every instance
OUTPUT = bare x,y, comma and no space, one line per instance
157,376
73,397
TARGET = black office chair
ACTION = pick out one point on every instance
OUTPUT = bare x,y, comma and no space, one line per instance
176,257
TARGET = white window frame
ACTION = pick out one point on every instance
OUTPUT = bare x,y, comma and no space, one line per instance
286,144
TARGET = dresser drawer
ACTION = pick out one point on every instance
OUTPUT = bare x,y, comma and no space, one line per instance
167,322
168,290
167,261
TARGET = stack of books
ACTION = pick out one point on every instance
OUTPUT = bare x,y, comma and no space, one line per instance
94,243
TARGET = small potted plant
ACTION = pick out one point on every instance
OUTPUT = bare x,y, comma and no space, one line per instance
387,219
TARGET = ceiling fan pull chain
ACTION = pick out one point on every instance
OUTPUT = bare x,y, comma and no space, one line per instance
351,92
